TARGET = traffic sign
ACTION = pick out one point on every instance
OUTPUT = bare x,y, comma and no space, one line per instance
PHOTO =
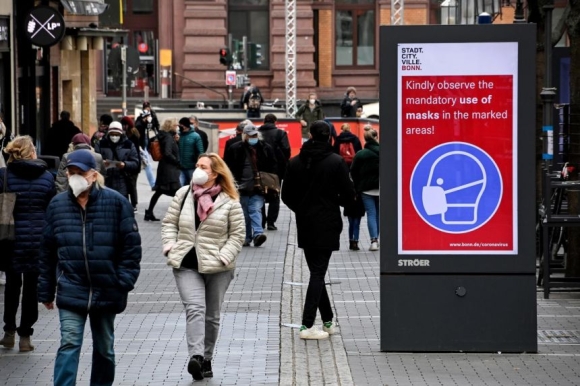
231,78
44,26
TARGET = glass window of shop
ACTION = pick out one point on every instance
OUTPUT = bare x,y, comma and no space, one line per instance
355,32
251,18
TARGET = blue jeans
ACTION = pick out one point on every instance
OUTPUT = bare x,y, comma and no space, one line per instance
371,204
353,228
185,176
72,327
252,206
149,169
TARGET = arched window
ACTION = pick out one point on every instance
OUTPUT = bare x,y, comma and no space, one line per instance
355,32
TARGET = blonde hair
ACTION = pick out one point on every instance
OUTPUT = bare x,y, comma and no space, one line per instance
169,124
345,127
370,133
100,179
225,177
21,147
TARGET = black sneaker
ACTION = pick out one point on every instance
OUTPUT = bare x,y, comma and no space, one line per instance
206,369
259,240
272,227
194,367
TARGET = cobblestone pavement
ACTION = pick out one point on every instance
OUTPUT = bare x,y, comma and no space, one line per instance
258,343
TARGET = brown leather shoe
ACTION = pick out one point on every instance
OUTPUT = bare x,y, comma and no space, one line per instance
25,344
8,340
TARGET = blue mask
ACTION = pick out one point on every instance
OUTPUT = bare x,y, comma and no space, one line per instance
252,141
192,127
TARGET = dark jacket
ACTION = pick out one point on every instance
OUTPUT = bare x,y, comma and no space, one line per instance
59,137
365,167
143,127
231,141
316,185
34,188
346,137
309,116
123,151
204,139
278,139
253,92
90,257
237,154
168,170
190,147
348,110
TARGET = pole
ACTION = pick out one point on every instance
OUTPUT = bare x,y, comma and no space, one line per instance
548,93
124,69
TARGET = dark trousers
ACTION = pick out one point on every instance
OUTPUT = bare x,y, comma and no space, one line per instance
273,211
132,188
14,282
316,295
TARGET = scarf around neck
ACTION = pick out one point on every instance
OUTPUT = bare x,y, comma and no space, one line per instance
204,199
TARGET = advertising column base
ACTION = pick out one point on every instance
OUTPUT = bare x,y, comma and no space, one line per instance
458,313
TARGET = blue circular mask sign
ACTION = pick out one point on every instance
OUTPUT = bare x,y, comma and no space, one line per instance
456,187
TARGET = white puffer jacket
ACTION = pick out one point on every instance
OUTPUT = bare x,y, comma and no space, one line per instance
217,242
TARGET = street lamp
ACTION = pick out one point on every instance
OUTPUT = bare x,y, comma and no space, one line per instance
85,7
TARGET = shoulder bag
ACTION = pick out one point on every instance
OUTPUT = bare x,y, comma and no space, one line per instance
267,183
7,203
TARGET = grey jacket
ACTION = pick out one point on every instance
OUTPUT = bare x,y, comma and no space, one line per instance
61,178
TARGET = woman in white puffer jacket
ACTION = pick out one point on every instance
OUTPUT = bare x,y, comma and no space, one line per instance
203,232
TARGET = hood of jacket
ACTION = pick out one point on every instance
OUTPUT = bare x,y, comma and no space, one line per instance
30,168
373,145
345,136
313,152
268,126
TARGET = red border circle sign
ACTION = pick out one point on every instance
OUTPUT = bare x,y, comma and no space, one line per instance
457,148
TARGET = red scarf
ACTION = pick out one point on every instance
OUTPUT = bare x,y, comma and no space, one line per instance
203,196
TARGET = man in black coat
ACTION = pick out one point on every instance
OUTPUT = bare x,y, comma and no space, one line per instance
204,140
60,135
278,139
245,159
316,184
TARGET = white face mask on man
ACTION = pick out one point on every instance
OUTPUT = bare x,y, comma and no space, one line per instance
78,184
114,138
312,101
199,177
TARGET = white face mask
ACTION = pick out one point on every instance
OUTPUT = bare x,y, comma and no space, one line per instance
312,101
114,138
199,177
78,184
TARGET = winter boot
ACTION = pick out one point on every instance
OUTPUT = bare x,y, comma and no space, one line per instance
206,369
149,216
355,245
8,340
25,344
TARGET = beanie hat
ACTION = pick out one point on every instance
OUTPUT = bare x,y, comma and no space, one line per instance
79,138
127,121
115,127
184,122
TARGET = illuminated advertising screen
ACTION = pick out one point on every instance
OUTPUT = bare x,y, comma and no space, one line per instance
457,148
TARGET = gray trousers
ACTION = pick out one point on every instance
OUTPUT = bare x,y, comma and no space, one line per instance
202,297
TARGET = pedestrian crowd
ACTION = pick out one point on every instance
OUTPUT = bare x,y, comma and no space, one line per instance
76,243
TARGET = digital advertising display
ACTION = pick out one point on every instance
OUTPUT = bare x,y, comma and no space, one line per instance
457,148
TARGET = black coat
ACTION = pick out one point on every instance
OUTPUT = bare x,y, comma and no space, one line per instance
34,188
124,151
60,136
236,156
169,168
231,141
346,137
347,109
316,185
143,127
204,139
278,139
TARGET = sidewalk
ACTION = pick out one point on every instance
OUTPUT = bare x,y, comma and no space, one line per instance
259,344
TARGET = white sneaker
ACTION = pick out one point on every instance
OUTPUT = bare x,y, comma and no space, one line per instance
2,278
374,246
312,333
328,327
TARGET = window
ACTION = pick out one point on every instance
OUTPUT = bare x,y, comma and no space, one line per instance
251,18
142,6
355,32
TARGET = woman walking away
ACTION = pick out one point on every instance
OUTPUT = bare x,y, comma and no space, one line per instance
169,168
203,232
26,176
365,175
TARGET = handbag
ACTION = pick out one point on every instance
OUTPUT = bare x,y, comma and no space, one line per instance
267,183
7,203
155,149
